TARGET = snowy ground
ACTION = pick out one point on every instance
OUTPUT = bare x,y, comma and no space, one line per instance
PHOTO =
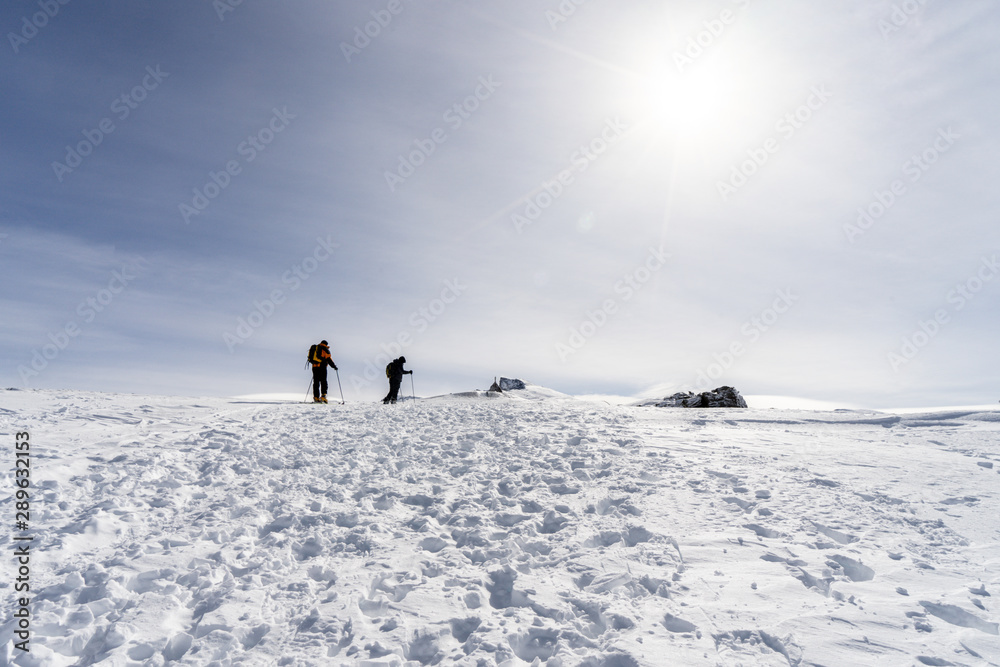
469,530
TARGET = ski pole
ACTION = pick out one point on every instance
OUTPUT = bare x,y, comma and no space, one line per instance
308,387
413,394
337,370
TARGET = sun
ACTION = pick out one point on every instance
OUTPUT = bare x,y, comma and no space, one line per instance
703,106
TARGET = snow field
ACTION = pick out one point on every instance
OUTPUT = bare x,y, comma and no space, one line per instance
480,532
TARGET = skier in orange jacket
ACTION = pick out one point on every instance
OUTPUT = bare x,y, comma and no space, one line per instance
321,359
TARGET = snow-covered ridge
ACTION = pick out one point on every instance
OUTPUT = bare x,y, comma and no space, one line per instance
458,531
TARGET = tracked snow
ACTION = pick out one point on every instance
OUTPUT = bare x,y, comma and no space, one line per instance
470,531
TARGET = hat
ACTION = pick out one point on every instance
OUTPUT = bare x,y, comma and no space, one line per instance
402,360
323,342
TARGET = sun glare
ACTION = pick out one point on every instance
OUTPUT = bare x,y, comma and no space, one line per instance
703,100
700,106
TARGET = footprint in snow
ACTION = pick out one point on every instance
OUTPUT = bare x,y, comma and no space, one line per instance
678,625
744,505
837,536
958,616
966,500
854,570
761,531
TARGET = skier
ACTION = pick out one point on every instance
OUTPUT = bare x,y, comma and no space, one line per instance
394,371
320,360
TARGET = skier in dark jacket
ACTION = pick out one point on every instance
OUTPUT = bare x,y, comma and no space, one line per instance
321,360
395,372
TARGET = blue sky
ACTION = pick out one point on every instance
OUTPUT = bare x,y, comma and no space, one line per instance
629,197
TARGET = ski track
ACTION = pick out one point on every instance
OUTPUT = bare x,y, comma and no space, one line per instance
483,532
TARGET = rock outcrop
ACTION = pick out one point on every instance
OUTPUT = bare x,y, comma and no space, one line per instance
507,384
723,397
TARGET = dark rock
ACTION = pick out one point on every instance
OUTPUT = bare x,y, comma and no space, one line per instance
507,384
723,397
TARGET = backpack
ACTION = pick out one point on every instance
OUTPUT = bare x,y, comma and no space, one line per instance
313,359
388,369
